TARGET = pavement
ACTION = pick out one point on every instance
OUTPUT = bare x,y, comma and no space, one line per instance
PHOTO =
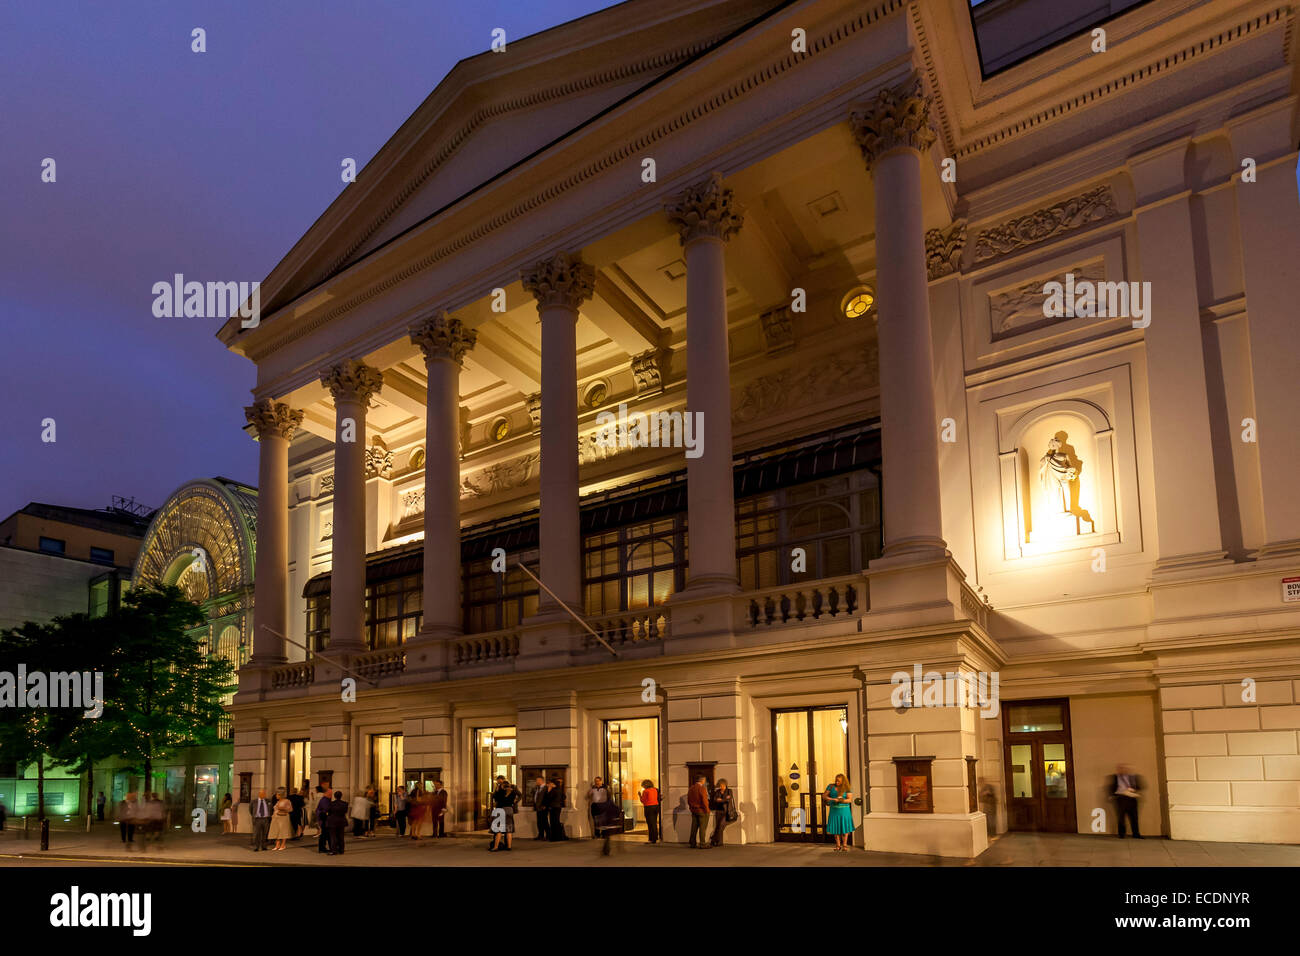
103,846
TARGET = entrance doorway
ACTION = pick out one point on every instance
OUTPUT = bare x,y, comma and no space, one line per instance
385,769
809,747
494,756
1040,766
631,755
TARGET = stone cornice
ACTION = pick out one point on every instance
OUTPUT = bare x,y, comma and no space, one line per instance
442,337
352,381
270,417
1126,81
702,107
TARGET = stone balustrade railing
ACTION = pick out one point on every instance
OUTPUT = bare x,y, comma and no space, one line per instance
485,648
300,674
816,601
629,627
381,663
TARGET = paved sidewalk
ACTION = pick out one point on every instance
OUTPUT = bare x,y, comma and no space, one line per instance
183,847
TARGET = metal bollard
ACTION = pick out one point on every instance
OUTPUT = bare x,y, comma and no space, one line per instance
24,828
45,834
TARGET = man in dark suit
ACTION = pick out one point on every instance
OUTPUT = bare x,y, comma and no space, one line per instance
438,810
539,806
337,822
261,808
322,811
1124,787
554,800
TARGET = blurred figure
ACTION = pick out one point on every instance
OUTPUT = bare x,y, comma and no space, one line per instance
359,811
127,815
99,806
1124,787
297,819
437,810
554,807
155,813
226,813
608,821
597,797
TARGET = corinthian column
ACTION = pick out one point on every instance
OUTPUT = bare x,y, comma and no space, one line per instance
444,342
707,215
560,284
893,133
275,424
351,383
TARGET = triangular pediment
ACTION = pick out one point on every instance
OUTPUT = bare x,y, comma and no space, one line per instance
494,110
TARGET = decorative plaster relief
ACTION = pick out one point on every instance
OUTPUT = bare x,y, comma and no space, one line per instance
1095,205
1020,309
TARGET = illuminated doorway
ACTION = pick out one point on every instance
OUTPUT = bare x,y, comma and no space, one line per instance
385,769
631,755
810,746
297,764
1040,766
494,756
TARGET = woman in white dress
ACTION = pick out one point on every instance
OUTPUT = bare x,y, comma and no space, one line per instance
280,828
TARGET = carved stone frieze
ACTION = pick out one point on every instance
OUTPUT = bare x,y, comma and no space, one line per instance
1021,308
502,476
943,249
1095,205
379,462
706,209
898,117
778,329
535,409
799,385
649,369
413,503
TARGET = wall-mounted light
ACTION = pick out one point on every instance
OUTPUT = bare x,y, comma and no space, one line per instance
858,302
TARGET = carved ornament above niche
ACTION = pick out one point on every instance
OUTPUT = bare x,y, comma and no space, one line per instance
1018,310
1086,209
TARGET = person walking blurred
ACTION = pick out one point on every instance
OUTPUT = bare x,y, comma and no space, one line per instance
127,814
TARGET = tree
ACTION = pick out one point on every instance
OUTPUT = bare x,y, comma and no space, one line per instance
161,691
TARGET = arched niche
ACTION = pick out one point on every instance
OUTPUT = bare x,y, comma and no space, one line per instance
1058,479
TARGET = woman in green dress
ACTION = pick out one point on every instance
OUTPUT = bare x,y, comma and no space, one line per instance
839,811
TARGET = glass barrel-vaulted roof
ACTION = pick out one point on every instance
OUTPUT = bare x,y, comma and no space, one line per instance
203,540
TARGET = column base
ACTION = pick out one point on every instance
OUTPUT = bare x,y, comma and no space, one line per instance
428,654
702,616
550,638
961,835
1190,562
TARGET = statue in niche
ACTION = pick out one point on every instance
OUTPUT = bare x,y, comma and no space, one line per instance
1056,468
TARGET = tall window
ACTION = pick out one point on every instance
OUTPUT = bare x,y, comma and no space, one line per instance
835,520
318,622
393,611
635,567
494,600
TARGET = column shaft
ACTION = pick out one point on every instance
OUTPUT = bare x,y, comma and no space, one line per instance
560,541
274,424
348,553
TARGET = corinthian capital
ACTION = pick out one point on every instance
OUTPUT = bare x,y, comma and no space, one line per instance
442,337
706,209
900,116
352,381
564,279
272,418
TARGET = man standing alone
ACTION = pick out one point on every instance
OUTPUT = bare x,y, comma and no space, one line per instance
261,820
697,800
539,806
1125,786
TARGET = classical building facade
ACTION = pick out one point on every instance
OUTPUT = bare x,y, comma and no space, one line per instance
874,415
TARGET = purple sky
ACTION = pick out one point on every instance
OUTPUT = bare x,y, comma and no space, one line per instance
211,165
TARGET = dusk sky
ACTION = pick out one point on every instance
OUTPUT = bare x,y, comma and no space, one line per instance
207,164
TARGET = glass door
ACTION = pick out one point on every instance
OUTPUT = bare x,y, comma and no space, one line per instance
494,749
385,769
809,746
631,755
1040,766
